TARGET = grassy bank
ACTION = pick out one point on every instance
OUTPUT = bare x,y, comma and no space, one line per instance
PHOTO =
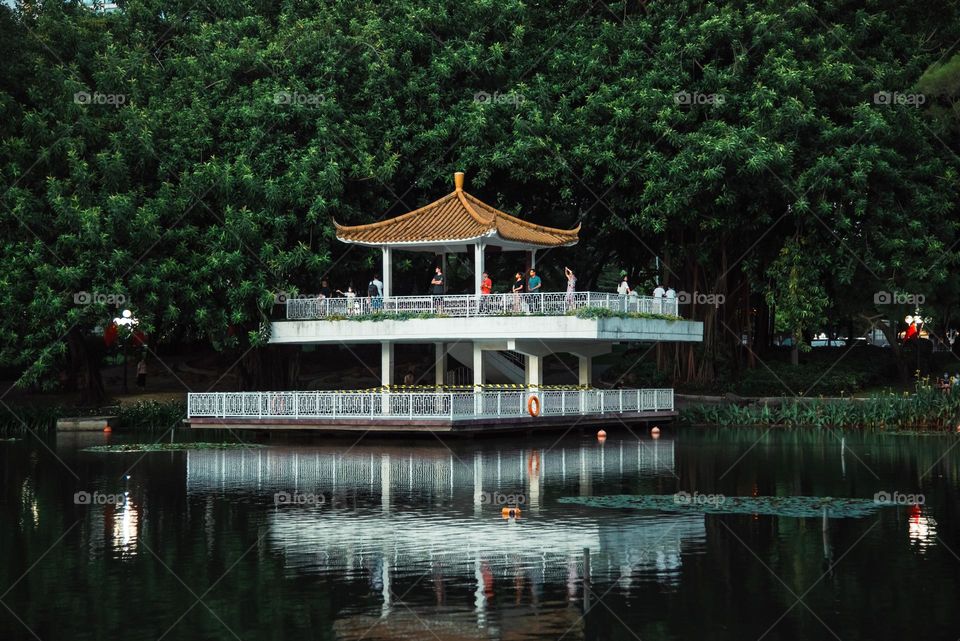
926,408
148,416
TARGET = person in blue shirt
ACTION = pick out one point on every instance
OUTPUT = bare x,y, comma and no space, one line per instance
533,287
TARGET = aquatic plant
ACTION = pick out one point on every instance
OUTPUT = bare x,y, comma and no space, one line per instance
167,447
792,506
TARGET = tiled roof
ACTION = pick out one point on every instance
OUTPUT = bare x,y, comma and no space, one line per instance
458,216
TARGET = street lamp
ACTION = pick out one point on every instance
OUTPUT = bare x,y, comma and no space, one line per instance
127,322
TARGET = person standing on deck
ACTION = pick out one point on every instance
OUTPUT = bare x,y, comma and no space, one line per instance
486,285
486,288
436,289
571,286
533,286
375,292
671,300
517,289
658,294
623,289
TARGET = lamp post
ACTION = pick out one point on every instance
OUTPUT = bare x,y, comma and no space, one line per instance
127,323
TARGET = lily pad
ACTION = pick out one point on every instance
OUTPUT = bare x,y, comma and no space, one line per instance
795,506
168,447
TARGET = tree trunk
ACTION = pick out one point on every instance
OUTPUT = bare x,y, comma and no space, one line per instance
270,368
84,368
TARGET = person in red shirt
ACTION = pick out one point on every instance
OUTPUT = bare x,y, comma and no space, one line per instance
486,285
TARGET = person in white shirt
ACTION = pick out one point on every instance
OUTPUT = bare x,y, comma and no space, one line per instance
624,290
658,295
671,305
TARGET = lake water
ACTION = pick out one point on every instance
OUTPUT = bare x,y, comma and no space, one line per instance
333,539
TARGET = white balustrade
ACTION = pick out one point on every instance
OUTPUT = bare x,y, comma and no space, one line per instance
467,305
424,405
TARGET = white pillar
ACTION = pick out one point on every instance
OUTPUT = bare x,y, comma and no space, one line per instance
387,272
533,259
477,365
477,379
440,364
586,370
534,371
478,267
386,363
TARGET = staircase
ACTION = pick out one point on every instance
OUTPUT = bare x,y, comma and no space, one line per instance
499,367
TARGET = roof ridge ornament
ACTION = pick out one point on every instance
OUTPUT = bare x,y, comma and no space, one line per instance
458,181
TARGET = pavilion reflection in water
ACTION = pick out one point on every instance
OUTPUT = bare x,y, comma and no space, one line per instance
425,510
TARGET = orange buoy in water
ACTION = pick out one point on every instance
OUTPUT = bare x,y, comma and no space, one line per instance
655,431
602,434
107,429
510,512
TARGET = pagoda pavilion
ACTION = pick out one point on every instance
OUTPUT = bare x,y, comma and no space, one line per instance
502,338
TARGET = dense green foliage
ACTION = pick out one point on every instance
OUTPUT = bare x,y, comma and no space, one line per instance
927,408
189,157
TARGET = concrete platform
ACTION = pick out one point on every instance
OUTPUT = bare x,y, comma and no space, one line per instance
86,423
455,426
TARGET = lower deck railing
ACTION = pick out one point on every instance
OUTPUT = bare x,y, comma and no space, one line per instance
424,405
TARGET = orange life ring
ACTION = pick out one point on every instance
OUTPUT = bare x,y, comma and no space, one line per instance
531,402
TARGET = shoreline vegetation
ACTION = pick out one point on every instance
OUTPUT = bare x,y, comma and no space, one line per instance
926,408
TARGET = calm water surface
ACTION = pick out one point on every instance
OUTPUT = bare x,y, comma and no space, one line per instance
332,539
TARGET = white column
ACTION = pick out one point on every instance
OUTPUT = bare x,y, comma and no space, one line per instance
478,267
440,364
534,370
586,370
477,365
386,363
477,379
533,259
387,272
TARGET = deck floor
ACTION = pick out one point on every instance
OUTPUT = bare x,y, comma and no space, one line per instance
406,426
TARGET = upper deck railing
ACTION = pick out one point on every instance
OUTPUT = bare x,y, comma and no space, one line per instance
469,305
